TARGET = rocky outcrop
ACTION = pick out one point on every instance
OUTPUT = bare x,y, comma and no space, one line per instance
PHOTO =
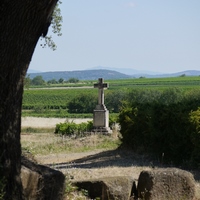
165,184
41,182
155,184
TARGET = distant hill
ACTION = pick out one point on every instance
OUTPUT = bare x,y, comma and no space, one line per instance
128,71
186,73
106,74
81,75
149,74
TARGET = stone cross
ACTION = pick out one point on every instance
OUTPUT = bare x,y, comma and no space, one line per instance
100,85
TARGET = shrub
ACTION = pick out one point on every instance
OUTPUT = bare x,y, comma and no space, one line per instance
83,103
194,118
163,125
71,128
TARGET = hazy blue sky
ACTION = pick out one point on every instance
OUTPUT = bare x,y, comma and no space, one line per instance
153,35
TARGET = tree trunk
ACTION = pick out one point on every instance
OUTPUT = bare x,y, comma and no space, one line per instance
22,22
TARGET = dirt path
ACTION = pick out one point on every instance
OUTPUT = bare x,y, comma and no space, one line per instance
41,122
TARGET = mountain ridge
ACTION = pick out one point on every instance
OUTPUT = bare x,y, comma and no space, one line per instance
80,74
106,74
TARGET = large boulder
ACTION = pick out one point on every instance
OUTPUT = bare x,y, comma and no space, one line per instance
41,182
165,184
109,188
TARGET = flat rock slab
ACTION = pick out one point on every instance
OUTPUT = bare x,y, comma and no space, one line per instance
165,184
109,188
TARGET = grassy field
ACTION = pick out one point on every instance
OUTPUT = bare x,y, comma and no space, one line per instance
53,101
52,98
182,81
185,83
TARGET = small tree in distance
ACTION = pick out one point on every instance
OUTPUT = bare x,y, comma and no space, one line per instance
52,81
38,80
73,80
61,80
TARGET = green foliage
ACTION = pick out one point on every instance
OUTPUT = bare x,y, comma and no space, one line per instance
136,97
171,96
56,22
170,132
71,128
113,120
61,80
182,75
56,25
83,103
114,100
38,80
163,124
194,118
134,128
73,80
53,81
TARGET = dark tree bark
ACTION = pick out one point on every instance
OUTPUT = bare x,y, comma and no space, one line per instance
22,22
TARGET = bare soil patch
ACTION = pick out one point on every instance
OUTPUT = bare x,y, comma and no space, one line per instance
40,122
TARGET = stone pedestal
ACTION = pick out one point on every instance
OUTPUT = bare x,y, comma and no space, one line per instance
101,120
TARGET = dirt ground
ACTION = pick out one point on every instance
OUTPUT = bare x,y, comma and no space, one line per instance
41,122
85,165
96,163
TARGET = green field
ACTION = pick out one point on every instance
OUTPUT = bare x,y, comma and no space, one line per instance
158,83
51,98
40,101
184,82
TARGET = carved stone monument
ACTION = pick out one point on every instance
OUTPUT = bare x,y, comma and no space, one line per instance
101,114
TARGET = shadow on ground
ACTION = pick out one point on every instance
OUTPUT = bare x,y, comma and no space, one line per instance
114,158
117,158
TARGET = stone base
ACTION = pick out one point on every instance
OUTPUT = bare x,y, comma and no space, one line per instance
101,118
103,130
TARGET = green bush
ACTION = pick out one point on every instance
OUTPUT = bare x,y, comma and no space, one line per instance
168,128
71,128
114,99
194,118
170,132
83,103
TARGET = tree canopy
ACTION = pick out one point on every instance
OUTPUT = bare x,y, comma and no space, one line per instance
56,27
